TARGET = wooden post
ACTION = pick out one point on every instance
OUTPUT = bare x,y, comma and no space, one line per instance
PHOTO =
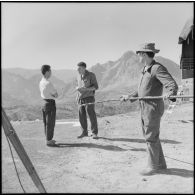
11,134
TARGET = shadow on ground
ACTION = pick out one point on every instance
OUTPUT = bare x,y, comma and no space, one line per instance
138,149
178,172
91,145
104,147
139,140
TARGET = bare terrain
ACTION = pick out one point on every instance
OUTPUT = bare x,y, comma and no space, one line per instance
110,164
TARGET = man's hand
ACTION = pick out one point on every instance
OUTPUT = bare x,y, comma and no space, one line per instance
55,95
167,97
124,98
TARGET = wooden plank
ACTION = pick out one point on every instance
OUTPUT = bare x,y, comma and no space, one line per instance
11,134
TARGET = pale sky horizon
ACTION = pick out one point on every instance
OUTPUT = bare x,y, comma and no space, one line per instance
63,34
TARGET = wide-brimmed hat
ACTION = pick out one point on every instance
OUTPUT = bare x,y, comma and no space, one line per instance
148,47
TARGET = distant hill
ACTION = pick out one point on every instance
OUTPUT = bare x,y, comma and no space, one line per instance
10,101
17,90
65,75
25,73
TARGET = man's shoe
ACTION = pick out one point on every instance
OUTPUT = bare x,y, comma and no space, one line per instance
148,172
162,169
94,136
51,143
83,135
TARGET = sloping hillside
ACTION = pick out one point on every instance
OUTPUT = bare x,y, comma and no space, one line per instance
16,87
63,74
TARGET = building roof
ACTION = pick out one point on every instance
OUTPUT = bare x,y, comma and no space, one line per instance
186,30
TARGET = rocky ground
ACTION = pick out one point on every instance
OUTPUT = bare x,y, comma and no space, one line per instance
110,164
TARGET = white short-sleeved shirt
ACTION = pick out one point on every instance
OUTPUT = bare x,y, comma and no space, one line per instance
47,89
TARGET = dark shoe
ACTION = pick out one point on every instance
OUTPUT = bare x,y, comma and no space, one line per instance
51,143
83,135
54,141
94,136
162,169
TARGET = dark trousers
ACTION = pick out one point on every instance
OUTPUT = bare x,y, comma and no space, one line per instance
49,118
90,110
151,113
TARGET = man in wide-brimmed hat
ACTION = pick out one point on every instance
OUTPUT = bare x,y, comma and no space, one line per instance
154,77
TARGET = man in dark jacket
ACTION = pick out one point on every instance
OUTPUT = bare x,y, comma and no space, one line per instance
87,84
154,77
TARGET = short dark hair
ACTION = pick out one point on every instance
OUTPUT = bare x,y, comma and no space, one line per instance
83,64
45,68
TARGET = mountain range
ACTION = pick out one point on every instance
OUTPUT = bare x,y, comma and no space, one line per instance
63,74
121,76
20,86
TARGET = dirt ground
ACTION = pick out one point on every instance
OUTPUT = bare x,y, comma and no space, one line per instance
110,164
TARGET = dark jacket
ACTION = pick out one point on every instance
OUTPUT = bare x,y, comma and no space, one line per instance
154,79
88,80
151,84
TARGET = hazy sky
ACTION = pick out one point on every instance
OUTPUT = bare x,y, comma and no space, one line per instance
62,34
